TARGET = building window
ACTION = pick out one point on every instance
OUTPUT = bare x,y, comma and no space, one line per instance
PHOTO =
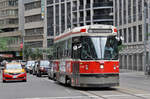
129,11
140,10
125,35
134,34
50,42
134,10
116,13
57,25
62,17
140,32
34,18
120,12
124,10
50,21
147,34
33,5
35,31
120,33
129,35
49,1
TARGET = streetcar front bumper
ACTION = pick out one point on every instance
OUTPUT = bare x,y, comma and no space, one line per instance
96,80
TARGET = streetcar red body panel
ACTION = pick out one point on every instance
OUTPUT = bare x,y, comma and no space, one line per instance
95,67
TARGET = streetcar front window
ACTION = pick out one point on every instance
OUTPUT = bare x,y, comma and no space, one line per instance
99,48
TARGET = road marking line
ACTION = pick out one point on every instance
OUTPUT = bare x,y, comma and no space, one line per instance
142,94
125,95
90,94
115,96
132,90
68,91
71,97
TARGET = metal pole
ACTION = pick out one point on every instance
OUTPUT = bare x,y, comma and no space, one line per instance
149,31
145,37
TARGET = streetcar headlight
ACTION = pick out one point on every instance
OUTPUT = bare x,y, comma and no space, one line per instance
101,66
114,67
86,67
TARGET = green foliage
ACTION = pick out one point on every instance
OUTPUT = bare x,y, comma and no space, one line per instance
4,43
33,53
27,52
50,52
121,47
38,53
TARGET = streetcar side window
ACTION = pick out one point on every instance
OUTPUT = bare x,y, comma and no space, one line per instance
76,48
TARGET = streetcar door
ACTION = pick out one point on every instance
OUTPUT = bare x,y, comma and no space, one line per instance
76,49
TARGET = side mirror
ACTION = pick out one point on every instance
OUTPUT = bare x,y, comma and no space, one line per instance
119,39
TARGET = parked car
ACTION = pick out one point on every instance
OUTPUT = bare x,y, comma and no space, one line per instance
42,68
14,71
34,68
29,66
50,71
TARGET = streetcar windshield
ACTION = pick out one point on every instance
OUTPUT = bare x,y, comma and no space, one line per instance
99,48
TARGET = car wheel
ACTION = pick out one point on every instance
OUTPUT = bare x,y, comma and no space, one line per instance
25,80
4,81
40,75
49,77
30,72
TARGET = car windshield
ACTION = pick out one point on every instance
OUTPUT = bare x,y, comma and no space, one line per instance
99,48
44,63
30,62
13,66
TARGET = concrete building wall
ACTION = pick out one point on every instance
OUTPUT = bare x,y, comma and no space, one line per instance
9,26
129,20
34,24
65,14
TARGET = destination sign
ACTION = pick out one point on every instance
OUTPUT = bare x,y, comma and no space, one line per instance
100,31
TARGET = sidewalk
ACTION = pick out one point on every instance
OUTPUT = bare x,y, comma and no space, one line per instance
134,79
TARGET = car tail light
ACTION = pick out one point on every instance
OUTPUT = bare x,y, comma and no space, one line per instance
42,68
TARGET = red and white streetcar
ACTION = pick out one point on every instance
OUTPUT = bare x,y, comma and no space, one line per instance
87,57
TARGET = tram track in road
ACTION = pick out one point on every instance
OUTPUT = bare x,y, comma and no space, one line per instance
122,92
126,92
107,93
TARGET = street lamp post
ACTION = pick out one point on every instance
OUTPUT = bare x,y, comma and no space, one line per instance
146,66
145,34
148,4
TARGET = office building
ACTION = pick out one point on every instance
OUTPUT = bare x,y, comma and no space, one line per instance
132,25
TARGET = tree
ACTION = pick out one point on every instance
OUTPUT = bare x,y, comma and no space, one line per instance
50,52
3,43
27,52
39,53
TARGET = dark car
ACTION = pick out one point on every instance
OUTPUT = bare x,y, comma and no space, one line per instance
42,68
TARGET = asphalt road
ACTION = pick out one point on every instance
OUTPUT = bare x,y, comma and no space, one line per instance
131,87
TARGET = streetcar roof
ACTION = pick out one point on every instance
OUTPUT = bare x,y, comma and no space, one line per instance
83,31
